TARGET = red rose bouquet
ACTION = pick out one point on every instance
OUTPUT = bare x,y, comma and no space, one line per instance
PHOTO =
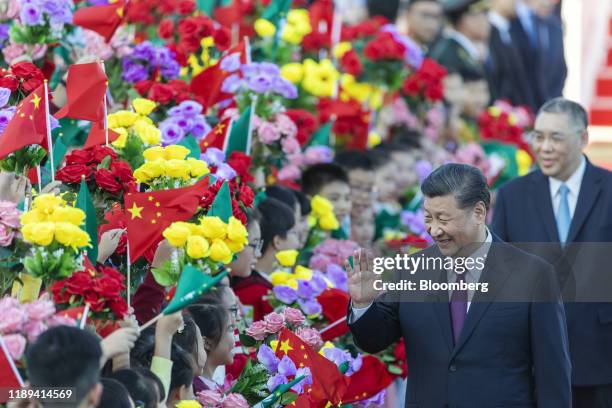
241,194
504,123
424,86
100,288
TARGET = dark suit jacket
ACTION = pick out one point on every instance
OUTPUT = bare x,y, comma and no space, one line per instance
524,215
506,72
509,354
449,53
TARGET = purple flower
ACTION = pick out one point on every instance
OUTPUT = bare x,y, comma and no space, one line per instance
98,2
175,111
338,356
414,54
318,154
31,15
225,172
414,221
304,371
213,156
171,132
259,83
5,94
170,69
200,127
231,84
336,274
133,72
266,356
275,381
286,367
285,88
5,117
190,108
423,168
310,306
184,123
306,289
231,63
4,32
285,294
144,51
260,68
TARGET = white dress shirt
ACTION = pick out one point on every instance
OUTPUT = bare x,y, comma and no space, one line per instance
502,24
573,184
466,43
472,276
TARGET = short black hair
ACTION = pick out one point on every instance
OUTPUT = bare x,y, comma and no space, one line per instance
380,156
282,194
141,354
276,220
114,394
212,319
151,376
253,215
65,357
304,202
187,338
407,139
467,184
354,159
576,113
182,369
315,177
386,8
141,389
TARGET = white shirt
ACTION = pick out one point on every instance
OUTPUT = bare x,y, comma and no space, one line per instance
502,24
573,184
472,276
466,43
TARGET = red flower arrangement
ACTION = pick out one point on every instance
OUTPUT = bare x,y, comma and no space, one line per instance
101,170
352,122
425,84
99,288
305,122
115,220
24,76
501,125
384,47
351,63
366,28
409,240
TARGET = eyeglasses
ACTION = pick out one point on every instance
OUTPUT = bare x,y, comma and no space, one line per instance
555,138
257,246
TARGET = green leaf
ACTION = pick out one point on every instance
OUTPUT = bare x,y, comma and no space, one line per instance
393,369
287,398
165,275
247,341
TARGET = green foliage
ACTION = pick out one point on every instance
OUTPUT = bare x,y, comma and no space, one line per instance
168,274
22,160
51,263
132,152
252,383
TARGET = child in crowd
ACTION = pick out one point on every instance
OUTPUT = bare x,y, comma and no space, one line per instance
181,380
246,260
291,199
330,181
142,390
114,395
360,169
305,208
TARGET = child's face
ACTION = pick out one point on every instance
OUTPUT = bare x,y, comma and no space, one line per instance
406,176
339,194
245,263
363,229
301,225
478,100
385,182
362,186
222,354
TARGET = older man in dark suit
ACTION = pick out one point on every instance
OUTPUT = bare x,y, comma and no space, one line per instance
563,212
499,345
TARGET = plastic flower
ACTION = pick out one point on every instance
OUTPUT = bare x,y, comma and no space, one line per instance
176,234
342,48
213,227
197,247
321,206
264,28
220,252
39,233
143,106
287,258
293,72
320,78
297,26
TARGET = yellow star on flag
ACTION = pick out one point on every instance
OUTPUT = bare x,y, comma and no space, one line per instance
220,128
136,211
285,347
36,100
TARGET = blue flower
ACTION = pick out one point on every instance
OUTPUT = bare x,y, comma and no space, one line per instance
231,63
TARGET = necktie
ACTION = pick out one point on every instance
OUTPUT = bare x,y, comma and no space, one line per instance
458,308
564,218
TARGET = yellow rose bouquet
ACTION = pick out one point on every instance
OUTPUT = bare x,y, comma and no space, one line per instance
289,43
136,130
52,227
168,167
206,245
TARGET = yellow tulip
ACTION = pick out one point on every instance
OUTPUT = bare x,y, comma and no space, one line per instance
143,106
234,246
291,35
293,72
299,20
147,132
176,235
197,247
122,139
74,216
177,169
292,283
342,48
279,278
287,257
303,273
123,118
358,91
321,206
39,233
264,28
153,153
329,222
197,168
175,152
213,227
47,203
70,235
236,231
219,252
33,216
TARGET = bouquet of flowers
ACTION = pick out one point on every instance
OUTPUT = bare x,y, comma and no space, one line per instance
283,46
40,21
169,167
424,87
313,79
185,119
332,251
241,194
321,220
52,227
101,288
504,123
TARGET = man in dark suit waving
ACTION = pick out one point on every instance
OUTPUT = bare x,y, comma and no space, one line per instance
563,213
500,344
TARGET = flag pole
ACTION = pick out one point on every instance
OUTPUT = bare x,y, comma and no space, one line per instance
48,124
105,107
84,317
247,49
11,362
129,273
39,177
250,131
331,326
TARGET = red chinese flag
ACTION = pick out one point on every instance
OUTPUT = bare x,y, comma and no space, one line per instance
97,135
28,126
85,89
9,376
104,20
147,215
328,383
229,15
216,137
335,304
207,84
371,379
301,402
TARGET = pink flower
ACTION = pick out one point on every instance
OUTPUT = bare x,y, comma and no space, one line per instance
319,262
230,113
12,318
57,320
15,343
13,51
209,398
289,172
96,46
294,316
13,9
40,309
310,337
234,400
285,125
6,235
267,133
318,154
290,145
9,214
274,322
296,159
33,329
257,330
